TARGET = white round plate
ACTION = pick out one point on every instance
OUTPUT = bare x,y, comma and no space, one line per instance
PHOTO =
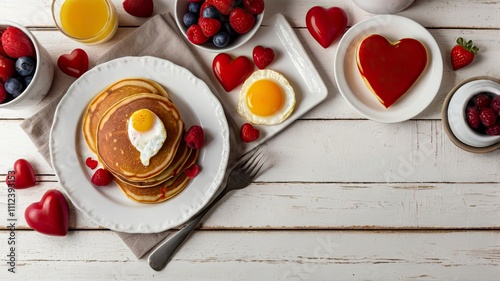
352,86
108,206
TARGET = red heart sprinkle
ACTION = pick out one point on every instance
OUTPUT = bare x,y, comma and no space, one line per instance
50,215
22,176
192,171
326,25
262,56
231,73
91,163
248,133
74,64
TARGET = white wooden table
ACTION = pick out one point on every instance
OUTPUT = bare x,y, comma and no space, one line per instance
326,210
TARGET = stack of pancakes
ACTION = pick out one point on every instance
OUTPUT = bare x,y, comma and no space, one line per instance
105,130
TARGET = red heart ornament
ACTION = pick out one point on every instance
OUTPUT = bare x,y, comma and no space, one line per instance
326,25
262,56
22,176
390,68
231,73
74,64
49,216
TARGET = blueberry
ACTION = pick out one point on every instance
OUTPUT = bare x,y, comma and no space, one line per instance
25,66
189,19
27,80
194,7
14,87
221,39
226,27
210,12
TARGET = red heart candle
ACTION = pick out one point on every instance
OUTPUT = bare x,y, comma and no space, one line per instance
390,68
326,25
231,73
49,216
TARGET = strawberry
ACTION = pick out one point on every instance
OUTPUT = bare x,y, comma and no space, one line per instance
2,51
7,69
254,7
192,171
241,21
101,177
195,35
139,8
463,53
194,137
262,56
248,133
16,44
91,163
223,6
209,26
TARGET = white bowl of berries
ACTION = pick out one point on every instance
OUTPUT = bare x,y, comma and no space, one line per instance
218,25
26,68
472,114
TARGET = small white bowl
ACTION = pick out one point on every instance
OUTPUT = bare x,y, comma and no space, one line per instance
455,107
181,7
383,6
42,79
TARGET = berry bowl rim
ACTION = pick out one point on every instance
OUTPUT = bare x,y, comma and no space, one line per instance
181,8
464,128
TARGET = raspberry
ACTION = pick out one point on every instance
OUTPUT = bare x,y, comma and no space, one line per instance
195,35
487,116
241,21
209,26
224,6
101,177
194,137
248,133
495,104
192,171
482,100
472,113
254,7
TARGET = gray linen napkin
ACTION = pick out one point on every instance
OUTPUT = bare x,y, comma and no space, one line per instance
157,37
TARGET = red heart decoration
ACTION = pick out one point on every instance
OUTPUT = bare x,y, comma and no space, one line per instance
74,64
231,73
91,163
49,216
390,68
22,176
326,25
249,133
262,56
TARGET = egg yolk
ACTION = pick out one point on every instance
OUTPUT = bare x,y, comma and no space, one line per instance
142,120
264,98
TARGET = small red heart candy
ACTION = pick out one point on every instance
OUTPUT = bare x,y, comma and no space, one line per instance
262,56
91,163
231,73
326,25
22,176
248,133
74,64
49,216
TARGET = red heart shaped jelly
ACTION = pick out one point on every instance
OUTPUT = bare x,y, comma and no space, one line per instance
74,64
49,216
22,176
326,25
231,73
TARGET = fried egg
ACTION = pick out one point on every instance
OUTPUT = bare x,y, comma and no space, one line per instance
266,98
146,133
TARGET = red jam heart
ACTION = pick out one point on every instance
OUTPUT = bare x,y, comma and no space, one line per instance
231,73
74,64
262,56
91,163
22,176
326,25
390,68
49,216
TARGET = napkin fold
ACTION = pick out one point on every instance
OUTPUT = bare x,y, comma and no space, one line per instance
158,37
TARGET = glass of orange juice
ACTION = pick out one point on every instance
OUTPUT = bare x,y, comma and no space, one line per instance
86,21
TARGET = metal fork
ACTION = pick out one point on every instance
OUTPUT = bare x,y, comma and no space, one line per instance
242,174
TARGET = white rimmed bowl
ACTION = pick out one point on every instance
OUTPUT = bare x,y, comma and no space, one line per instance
181,7
454,115
42,79
383,6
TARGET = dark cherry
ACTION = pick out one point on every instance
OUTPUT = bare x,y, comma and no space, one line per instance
473,117
495,104
487,116
494,130
482,100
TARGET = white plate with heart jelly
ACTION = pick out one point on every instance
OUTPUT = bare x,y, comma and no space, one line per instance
354,89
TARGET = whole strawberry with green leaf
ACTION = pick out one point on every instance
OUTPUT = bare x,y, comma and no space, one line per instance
463,53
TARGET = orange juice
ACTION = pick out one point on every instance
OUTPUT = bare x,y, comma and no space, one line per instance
88,21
